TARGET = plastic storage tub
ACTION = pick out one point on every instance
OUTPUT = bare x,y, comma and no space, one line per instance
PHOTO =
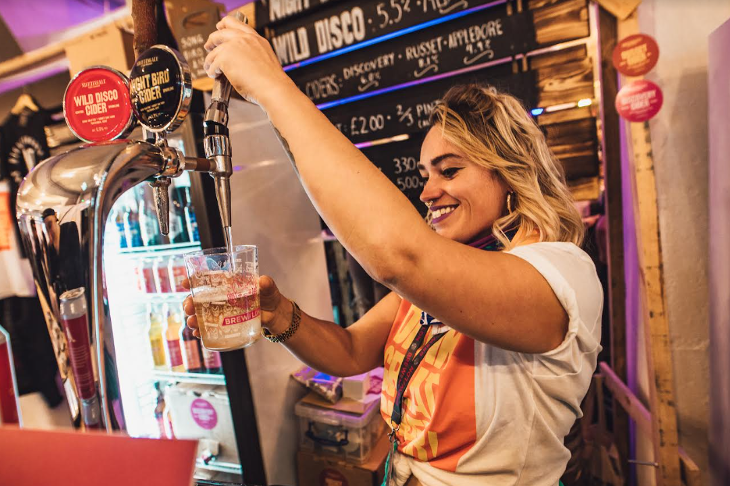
343,434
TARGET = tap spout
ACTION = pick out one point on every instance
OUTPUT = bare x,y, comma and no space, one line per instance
217,145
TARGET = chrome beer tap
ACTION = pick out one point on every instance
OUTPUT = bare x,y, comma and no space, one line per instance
217,145
64,203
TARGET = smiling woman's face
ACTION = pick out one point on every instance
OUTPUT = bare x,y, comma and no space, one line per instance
466,199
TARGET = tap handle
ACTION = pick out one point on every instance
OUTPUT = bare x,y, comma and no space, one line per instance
221,87
162,202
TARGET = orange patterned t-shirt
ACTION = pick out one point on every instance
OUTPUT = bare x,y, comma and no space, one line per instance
438,423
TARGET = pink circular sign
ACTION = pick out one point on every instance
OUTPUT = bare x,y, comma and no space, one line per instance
204,413
636,55
639,101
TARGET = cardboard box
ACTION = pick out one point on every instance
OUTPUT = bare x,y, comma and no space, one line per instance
203,412
323,470
106,46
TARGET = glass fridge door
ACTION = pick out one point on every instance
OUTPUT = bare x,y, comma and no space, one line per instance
171,387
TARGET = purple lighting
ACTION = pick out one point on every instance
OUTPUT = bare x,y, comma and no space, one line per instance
31,76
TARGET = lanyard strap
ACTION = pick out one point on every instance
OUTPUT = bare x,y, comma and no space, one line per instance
408,369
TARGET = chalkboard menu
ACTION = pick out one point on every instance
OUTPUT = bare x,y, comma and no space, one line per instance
407,111
462,43
398,162
376,69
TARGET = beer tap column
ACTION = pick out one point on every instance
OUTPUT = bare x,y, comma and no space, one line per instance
217,145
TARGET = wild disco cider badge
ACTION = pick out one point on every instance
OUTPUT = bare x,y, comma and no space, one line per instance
96,105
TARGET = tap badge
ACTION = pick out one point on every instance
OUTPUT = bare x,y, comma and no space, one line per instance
160,88
96,105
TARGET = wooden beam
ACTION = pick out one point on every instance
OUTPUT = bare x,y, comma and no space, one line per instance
613,199
641,416
621,9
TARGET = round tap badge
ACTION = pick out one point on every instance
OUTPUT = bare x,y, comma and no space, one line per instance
639,101
636,55
160,88
96,105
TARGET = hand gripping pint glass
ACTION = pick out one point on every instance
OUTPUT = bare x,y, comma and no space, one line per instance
225,288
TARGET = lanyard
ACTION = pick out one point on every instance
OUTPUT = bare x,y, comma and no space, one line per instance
408,369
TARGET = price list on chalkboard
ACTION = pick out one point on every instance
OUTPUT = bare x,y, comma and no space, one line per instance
398,161
407,111
462,43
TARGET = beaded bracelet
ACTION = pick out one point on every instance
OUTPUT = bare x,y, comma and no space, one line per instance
296,318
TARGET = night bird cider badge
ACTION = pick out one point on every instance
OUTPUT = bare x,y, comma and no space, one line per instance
160,88
96,105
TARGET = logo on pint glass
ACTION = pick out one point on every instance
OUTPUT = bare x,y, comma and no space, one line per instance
241,318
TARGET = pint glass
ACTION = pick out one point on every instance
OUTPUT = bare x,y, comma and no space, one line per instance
225,288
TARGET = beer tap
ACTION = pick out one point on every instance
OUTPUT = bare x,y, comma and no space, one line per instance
217,144
217,162
76,190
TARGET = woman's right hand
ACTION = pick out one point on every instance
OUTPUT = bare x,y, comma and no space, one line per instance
276,310
246,59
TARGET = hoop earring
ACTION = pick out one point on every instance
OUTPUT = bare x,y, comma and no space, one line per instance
509,202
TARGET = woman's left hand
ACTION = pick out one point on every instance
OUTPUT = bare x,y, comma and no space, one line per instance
247,60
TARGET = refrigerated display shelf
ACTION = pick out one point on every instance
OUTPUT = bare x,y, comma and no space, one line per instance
200,378
226,467
160,249
165,297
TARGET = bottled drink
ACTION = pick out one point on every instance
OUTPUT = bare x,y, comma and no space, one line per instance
118,220
9,403
172,341
192,358
177,273
132,231
191,220
148,219
162,275
178,230
139,279
148,275
212,360
113,236
160,412
182,196
157,340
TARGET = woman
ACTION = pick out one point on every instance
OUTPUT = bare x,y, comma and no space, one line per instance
504,340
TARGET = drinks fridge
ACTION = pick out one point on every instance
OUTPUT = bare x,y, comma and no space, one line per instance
169,385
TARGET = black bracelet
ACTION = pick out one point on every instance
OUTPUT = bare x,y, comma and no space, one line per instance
296,318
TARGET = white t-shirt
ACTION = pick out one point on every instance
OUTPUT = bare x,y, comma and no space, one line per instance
475,414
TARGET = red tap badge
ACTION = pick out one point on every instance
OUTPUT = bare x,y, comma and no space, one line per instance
97,106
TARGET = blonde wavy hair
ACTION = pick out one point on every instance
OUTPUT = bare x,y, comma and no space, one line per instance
494,130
